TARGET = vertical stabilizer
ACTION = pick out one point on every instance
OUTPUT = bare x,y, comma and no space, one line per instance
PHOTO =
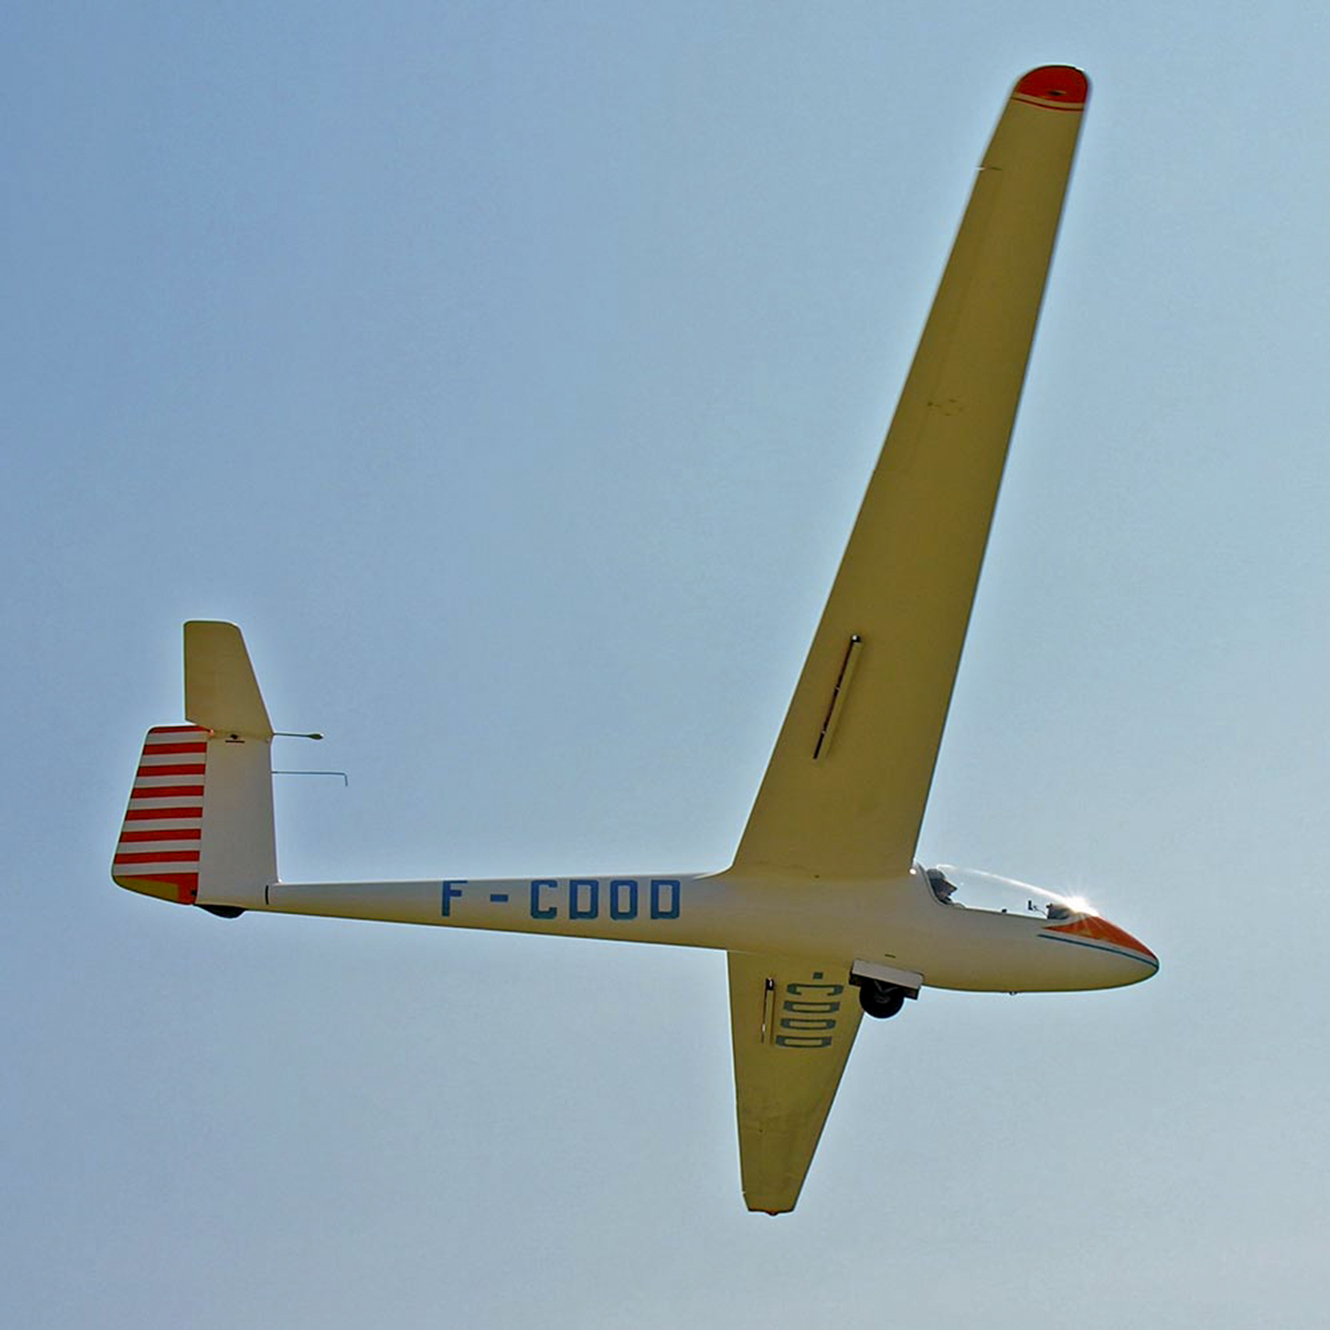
199,827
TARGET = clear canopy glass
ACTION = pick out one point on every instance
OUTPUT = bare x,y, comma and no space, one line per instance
973,888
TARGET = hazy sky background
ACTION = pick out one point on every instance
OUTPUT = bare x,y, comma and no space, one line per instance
511,374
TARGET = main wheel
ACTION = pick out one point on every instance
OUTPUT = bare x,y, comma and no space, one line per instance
880,999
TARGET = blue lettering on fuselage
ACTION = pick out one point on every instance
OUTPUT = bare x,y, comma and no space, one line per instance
622,899
584,898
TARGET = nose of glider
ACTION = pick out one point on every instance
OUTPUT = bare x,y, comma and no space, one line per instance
1137,954
1128,959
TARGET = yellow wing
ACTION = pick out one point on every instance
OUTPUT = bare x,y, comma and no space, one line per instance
844,793
793,1023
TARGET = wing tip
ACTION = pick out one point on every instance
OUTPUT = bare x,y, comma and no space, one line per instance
1056,87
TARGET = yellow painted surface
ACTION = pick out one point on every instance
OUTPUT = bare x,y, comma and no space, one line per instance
907,579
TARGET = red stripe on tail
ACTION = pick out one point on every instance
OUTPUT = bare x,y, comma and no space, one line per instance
160,857
162,833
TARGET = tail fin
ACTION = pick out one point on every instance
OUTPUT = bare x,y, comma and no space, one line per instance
199,828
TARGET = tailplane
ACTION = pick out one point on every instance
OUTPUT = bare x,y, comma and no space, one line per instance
199,827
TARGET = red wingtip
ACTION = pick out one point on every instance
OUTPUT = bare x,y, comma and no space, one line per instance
1054,86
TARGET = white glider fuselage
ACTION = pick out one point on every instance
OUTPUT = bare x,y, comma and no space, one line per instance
823,913
900,924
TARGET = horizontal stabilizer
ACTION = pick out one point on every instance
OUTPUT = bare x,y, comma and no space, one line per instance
221,692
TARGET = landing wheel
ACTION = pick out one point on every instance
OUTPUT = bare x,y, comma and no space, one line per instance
880,999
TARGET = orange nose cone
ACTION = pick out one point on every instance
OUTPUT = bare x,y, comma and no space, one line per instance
1095,929
1112,933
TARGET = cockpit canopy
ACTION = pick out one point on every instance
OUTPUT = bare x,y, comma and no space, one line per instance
971,888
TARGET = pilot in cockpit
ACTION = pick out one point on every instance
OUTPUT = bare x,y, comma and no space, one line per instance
942,889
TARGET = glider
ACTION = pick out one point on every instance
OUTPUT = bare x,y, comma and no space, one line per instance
824,914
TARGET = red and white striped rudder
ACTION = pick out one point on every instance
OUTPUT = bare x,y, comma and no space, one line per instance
158,850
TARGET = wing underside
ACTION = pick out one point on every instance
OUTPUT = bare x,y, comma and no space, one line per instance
845,790
793,1023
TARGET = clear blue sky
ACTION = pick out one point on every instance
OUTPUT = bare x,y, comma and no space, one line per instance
512,374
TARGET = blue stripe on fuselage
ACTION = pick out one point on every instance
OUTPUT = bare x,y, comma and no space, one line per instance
1099,946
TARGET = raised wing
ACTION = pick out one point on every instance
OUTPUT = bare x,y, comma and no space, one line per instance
844,793
793,1024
